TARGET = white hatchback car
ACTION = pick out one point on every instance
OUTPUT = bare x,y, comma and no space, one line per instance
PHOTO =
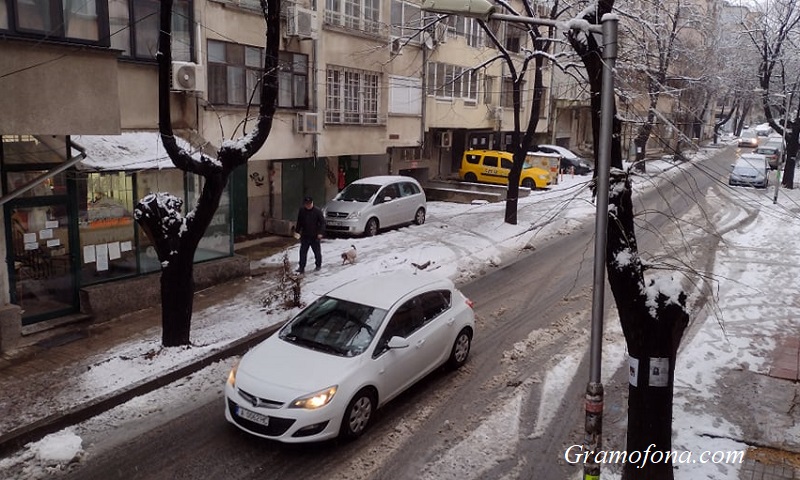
325,372
372,203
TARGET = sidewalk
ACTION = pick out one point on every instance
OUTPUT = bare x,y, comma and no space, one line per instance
72,350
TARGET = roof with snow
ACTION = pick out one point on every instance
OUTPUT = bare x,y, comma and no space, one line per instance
129,151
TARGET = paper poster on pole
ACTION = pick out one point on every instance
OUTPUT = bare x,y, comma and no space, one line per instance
125,246
633,370
46,233
51,224
88,254
101,253
659,372
31,246
29,238
53,243
113,251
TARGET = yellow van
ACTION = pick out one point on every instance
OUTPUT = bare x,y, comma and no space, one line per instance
493,166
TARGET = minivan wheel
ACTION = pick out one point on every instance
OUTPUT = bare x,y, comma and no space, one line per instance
372,227
358,414
419,217
470,177
528,183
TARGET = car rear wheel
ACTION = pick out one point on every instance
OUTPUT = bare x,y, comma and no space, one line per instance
372,227
528,183
419,217
470,177
358,414
460,351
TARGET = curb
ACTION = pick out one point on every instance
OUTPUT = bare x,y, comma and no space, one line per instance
18,438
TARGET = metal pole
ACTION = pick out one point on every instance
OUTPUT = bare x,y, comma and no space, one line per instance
594,389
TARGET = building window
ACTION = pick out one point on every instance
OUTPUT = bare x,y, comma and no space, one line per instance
515,38
447,81
405,95
292,80
474,33
362,15
352,96
507,93
134,26
405,20
234,71
83,21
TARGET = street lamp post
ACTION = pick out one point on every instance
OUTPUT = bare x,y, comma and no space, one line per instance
485,10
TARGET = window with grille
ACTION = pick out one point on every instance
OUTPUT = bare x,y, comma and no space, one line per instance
351,96
405,20
362,15
507,93
447,81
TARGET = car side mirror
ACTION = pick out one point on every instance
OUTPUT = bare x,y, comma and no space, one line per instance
397,342
387,199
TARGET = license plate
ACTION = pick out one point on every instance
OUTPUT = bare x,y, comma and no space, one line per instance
252,416
334,223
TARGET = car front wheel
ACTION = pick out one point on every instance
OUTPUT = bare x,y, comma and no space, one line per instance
419,217
460,351
372,227
358,414
470,177
528,183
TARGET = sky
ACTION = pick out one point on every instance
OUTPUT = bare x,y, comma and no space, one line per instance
754,278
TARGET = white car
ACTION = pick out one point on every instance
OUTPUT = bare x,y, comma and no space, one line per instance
569,160
325,372
373,203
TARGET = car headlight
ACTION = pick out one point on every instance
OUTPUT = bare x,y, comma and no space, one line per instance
232,374
315,400
354,214
544,177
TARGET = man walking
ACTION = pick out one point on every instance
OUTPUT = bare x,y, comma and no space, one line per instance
310,225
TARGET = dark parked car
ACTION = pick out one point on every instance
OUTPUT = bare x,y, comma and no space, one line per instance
569,160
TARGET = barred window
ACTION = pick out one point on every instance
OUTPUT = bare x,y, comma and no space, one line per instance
351,96
363,15
447,81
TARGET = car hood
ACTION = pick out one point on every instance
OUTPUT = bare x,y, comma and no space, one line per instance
283,371
345,206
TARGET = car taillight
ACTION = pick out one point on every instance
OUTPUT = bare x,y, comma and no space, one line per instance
470,304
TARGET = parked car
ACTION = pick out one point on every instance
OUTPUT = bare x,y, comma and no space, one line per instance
772,152
569,159
748,138
493,166
750,170
373,203
326,371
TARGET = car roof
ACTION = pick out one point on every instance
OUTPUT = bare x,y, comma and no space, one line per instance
385,289
563,150
751,159
385,179
480,151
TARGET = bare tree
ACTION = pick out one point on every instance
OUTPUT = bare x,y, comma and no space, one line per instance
774,36
652,310
174,235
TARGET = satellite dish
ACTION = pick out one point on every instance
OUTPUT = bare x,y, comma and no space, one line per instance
427,40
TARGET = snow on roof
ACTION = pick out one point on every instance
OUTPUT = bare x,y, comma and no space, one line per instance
129,151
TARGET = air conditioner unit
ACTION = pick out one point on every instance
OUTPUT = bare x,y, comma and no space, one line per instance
396,46
301,22
446,139
187,77
308,122
496,112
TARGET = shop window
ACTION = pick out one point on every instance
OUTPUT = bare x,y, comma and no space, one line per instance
152,181
217,241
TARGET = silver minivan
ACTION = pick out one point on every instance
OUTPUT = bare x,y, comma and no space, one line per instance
373,203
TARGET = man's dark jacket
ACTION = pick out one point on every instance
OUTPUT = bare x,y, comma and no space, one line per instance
310,222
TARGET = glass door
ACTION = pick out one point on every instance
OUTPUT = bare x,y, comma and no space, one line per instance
42,280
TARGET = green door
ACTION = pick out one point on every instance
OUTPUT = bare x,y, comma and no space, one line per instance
298,179
238,188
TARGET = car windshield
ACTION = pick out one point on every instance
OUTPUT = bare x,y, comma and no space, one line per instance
358,192
746,169
765,150
334,326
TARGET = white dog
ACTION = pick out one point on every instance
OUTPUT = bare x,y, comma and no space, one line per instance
349,256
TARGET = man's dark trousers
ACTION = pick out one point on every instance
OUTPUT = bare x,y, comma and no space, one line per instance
315,247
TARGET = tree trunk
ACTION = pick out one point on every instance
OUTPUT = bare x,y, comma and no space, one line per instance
177,298
791,148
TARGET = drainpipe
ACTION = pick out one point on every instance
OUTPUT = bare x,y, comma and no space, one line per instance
424,102
314,91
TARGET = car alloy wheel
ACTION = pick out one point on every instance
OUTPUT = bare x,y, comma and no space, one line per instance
528,183
419,218
358,414
372,227
460,352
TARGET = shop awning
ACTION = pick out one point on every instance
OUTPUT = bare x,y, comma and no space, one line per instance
129,151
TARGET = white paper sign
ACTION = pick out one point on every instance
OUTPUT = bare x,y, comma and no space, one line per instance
88,254
659,372
54,242
113,251
125,246
51,224
45,234
101,253
31,246
633,370
29,238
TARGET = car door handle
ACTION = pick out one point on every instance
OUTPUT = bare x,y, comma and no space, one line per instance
451,321
420,343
